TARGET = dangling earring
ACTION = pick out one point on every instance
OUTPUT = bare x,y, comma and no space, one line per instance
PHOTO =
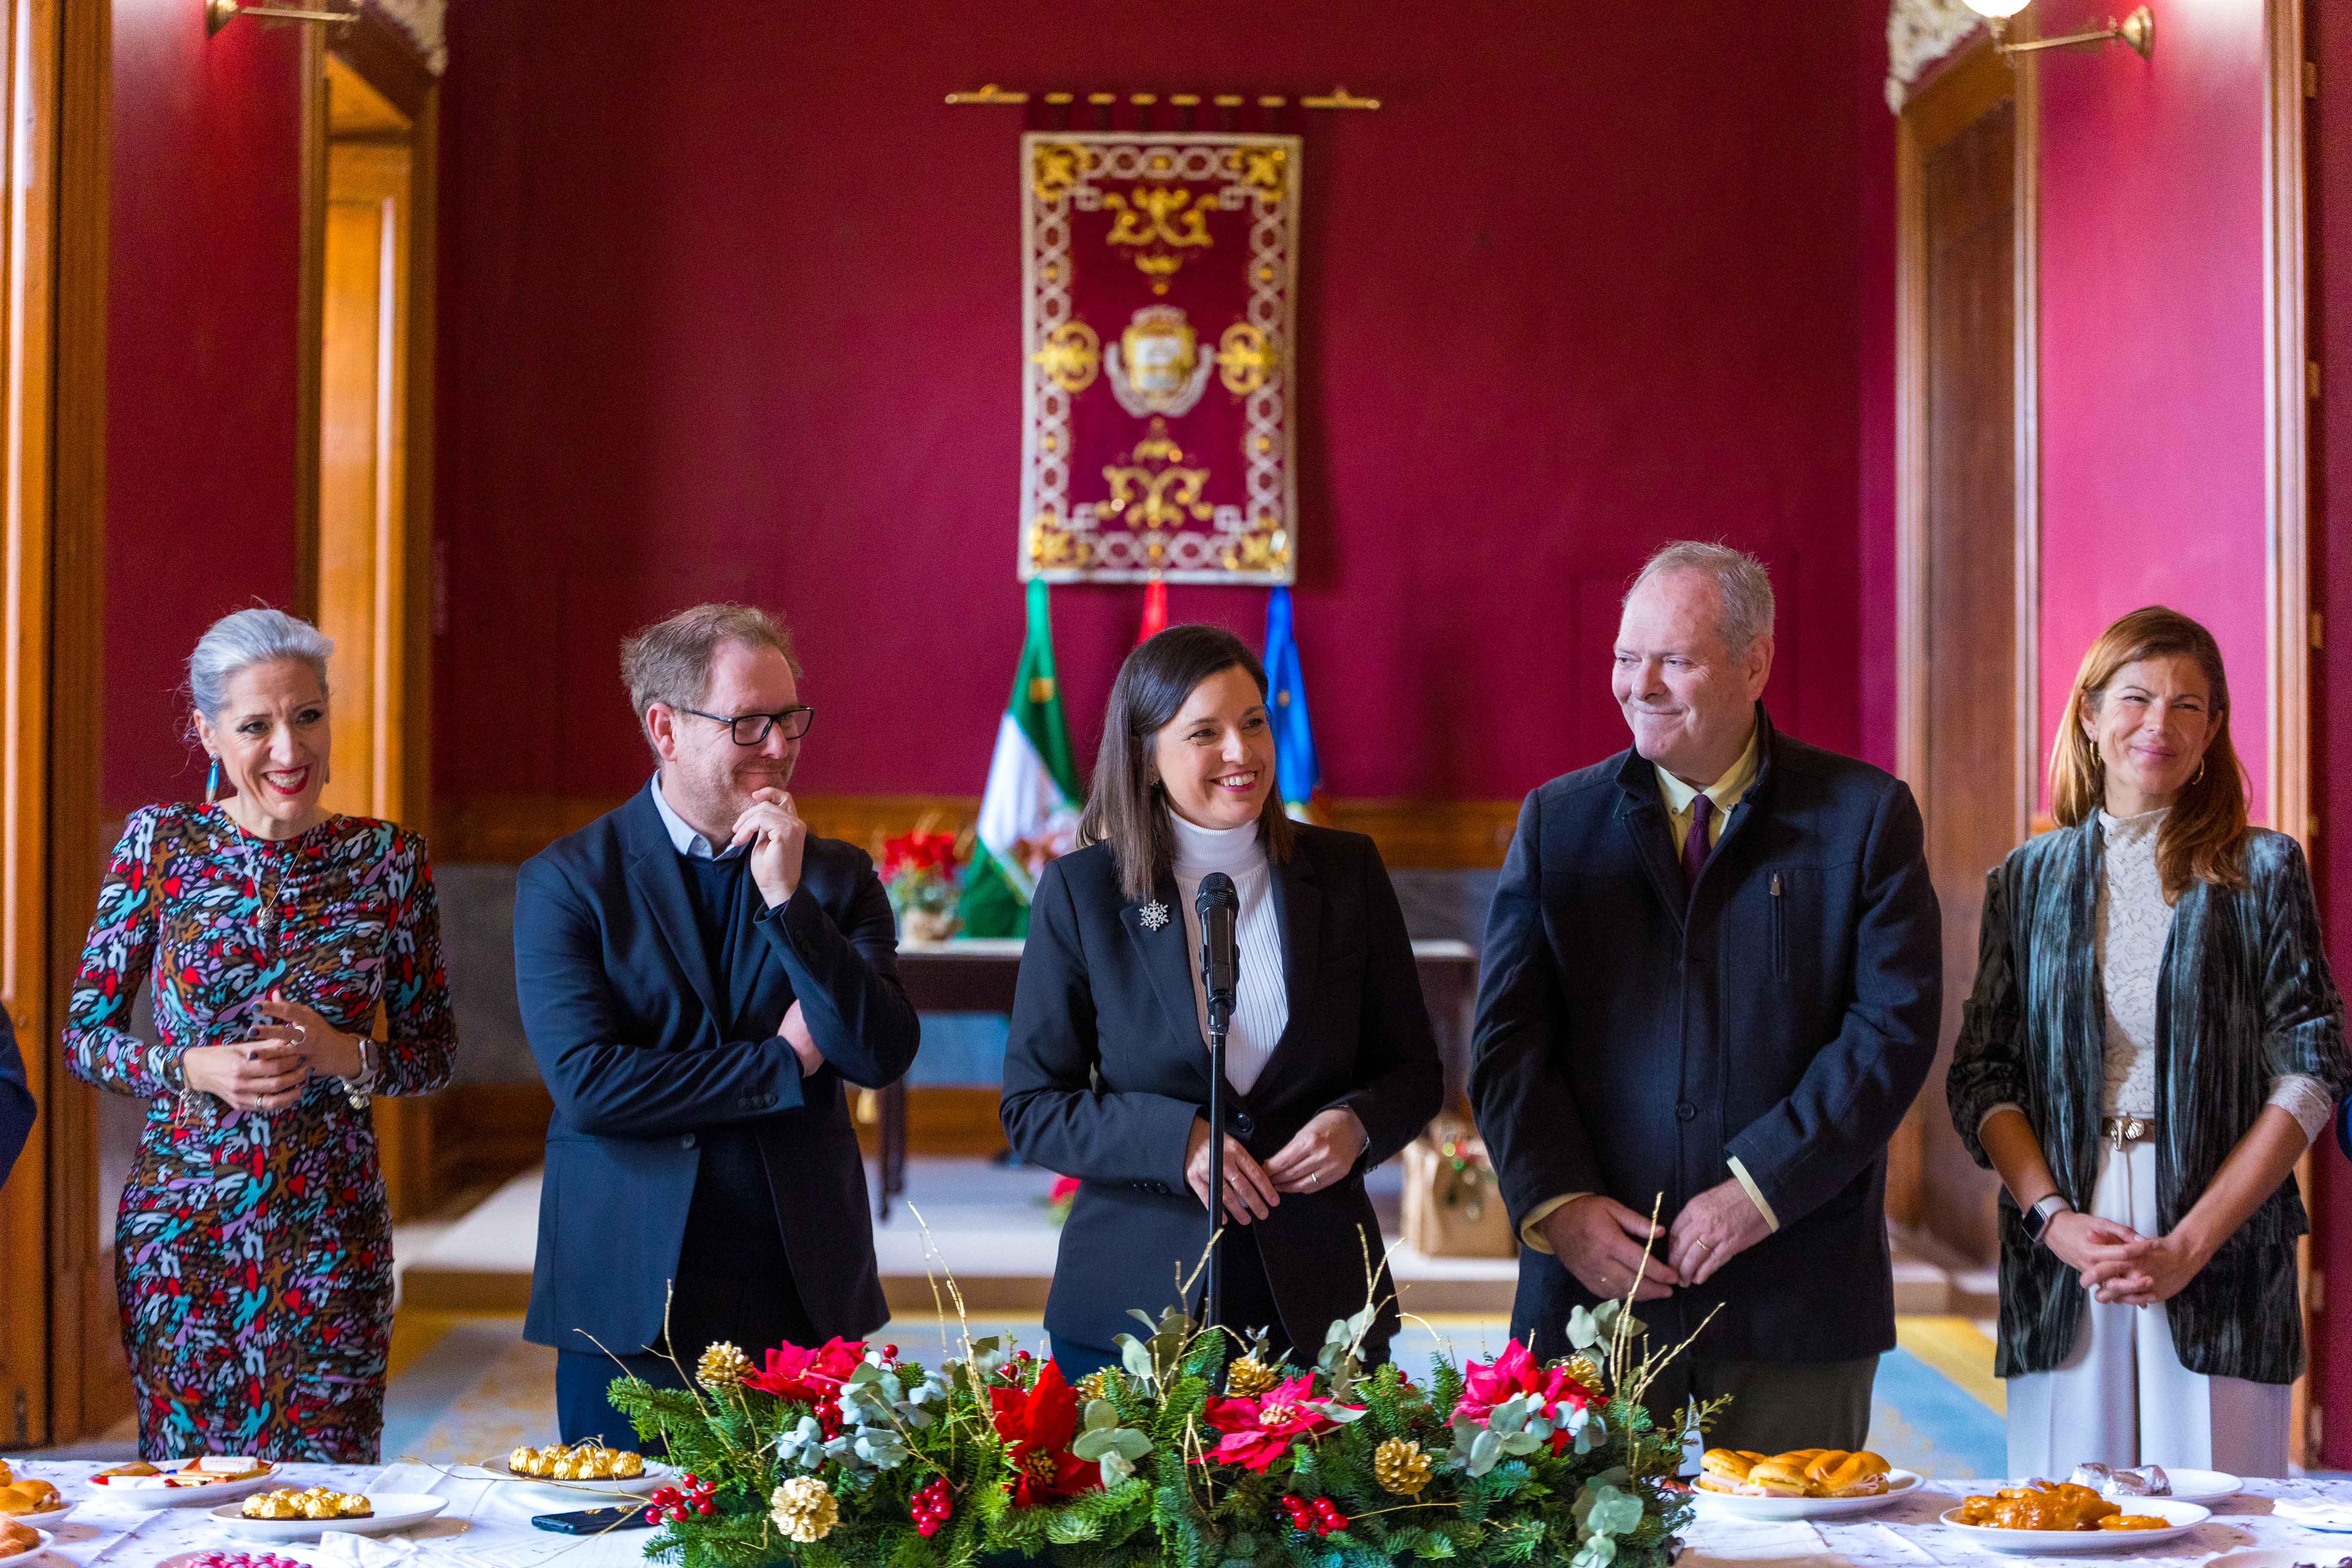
212,781
2201,772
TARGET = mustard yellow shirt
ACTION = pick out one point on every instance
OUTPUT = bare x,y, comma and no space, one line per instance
1725,792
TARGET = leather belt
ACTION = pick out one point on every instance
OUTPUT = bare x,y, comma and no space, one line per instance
2120,1131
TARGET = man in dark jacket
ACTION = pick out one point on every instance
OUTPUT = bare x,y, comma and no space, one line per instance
1710,987
698,976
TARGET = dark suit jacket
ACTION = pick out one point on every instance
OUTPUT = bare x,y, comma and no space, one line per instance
644,1048
15,1099
1106,1071
1628,1045
2245,997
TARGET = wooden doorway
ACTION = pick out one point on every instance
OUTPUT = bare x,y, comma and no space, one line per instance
1966,554
367,518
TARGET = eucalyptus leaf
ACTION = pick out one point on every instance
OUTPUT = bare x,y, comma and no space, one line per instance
1485,1451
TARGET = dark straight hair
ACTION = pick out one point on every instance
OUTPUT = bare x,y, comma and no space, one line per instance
1125,808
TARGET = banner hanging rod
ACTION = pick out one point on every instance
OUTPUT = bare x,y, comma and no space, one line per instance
1337,98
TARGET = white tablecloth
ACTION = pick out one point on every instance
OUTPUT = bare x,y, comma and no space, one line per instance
489,1523
1907,1533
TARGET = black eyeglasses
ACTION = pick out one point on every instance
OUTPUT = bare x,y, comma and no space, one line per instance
751,729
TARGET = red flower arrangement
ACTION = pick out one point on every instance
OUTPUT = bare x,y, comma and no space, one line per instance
1259,1431
814,1377
920,852
1557,1392
921,871
1037,1424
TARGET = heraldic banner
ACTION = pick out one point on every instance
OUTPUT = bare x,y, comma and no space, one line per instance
1158,276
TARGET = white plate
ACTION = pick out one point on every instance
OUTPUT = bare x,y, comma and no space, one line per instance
150,1497
2184,1517
657,1474
1736,1505
2270,1557
393,1511
2194,1485
52,1514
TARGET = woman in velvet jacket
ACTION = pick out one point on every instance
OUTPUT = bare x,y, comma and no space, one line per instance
1330,1060
2153,1041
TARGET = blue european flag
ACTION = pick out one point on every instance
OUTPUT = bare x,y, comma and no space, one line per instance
1295,769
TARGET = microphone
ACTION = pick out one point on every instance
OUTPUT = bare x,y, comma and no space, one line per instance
1219,906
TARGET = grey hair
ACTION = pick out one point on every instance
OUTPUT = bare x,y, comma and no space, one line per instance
669,661
1741,583
258,635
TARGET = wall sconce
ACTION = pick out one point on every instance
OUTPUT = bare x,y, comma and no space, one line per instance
2137,30
219,14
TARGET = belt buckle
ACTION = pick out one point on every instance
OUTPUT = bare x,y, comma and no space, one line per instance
2123,1129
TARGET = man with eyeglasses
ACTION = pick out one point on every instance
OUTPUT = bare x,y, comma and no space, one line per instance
699,976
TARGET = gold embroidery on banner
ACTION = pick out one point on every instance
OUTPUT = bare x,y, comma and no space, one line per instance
1055,167
1053,547
1152,490
1265,548
1261,168
1071,356
1245,359
1160,222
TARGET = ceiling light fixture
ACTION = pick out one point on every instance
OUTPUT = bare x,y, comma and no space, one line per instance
2136,32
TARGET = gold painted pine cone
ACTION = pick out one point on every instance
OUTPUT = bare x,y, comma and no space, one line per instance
1400,1466
1249,1377
804,1510
1585,1370
1095,1384
722,1366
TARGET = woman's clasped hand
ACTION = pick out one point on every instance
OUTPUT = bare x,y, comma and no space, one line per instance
269,1069
2118,1265
1319,1154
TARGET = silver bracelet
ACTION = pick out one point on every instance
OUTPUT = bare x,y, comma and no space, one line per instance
360,1090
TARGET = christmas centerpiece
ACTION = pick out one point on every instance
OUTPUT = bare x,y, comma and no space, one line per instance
923,873
1196,1452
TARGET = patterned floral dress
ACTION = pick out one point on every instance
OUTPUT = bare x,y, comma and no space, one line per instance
253,1250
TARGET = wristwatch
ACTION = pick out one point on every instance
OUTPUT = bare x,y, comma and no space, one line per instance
2037,1218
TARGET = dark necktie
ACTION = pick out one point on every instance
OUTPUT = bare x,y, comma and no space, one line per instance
1695,847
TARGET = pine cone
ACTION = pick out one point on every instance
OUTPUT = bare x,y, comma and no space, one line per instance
1400,1466
722,1366
1249,1377
804,1510
1585,1370
1095,1384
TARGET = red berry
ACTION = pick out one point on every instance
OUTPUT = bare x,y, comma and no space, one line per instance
890,1353
706,1508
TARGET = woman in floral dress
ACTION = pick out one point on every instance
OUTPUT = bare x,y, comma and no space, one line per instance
253,1248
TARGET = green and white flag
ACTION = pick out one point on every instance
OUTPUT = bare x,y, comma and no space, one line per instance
1029,813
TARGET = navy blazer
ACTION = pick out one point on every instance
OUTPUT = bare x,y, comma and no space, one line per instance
1630,1042
644,1047
1106,1071
15,1099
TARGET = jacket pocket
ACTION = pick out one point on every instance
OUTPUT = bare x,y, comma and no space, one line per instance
1779,928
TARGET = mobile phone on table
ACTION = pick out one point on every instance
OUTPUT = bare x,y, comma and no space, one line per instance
593,1520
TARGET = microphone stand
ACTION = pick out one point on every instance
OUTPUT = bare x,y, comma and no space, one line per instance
1213,1298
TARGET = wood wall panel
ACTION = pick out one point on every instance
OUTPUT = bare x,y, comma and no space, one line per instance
1461,834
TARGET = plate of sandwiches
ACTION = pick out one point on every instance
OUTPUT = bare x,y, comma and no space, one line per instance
182,1483
1805,1483
287,1513
2042,1519
22,1498
582,1467
18,1539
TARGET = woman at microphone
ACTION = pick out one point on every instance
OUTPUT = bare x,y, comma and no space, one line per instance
1330,1065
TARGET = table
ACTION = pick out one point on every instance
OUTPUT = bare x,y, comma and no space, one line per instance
977,974
487,1525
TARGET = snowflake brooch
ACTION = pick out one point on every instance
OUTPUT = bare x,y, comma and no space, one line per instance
1155,915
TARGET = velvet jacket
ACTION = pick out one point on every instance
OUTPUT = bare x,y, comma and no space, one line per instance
2245,997
1105,1073
1633,1038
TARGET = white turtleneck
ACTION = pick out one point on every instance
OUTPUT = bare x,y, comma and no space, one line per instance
1260,1000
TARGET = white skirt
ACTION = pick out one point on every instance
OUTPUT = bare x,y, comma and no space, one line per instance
2122,1397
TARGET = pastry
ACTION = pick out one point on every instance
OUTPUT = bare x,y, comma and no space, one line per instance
1780,1476
16,1538
1724,1469
29,1496
2046,1505
1841,1474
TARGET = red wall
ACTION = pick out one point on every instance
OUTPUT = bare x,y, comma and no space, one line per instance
201,339
2329,174
2152,327
730,307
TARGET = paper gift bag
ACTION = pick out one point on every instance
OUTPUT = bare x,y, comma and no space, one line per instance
1451,1206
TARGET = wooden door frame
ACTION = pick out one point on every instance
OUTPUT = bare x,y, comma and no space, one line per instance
1911,428
2289,633
388,61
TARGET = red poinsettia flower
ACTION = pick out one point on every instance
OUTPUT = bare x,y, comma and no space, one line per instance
1065,1188
1037,1424
810,1376
1556,1391
1259,1431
